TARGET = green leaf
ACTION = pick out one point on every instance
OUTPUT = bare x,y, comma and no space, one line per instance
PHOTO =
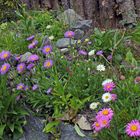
77,129
11,126
51,126
2,127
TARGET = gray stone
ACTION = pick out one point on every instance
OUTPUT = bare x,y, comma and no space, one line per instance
69,17
64,50
65,42
33,129
78,34
84,24
25,56
68,133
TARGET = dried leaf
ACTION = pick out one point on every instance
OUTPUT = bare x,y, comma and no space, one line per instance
83,123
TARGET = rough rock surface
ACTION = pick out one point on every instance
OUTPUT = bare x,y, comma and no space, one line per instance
78,34
33,129
84,24
65,42
68,133
69,17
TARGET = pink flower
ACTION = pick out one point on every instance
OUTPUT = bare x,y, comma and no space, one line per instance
114,97
104,122
96,126
106,112
109,86
133,128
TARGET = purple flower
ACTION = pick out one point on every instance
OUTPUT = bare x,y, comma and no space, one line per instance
30,38
33,58
35,87
17,58
109,57
82,52
69,34
49,90
33,44
4,69
20,86
26,88
30,66
5,55
99,52
48,63
21,67
47,49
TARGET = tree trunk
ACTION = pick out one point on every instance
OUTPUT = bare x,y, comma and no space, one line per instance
104,13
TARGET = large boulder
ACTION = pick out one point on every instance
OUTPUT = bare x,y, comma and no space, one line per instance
69,17
68,133
34,129
78,34
84,24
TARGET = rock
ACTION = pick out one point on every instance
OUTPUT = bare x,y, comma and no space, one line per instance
69,17
84,24
65,42
33,129
25,56
78,34
64,50
83,123
68,133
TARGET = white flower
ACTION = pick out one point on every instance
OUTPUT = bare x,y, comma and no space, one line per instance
106,81
49,26
100,68
94,105
51,37
106,97
91,53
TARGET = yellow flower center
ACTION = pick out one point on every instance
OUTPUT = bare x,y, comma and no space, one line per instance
5,55
69,34
47,49
105,112
4,68
20,67
48,64
108,86
134,127
104,122
97,124
106,97
20,87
